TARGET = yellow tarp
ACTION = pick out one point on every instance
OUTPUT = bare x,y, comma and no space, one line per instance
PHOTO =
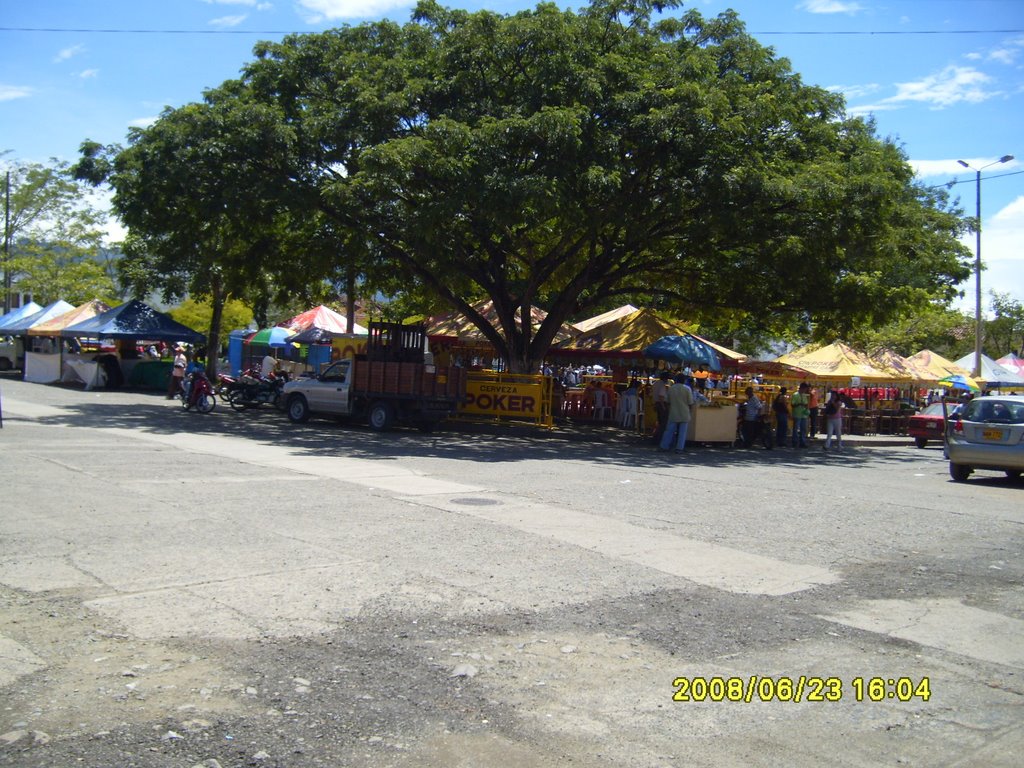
55,325
936,366
629,333
839,361
585,326
457,325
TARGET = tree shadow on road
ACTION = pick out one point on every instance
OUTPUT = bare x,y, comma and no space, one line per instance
148,412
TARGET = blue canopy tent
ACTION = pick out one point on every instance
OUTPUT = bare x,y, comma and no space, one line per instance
684,349
133,320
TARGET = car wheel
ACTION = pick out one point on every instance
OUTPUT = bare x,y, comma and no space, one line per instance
298,409
381,416
920,442
1013,474
959,472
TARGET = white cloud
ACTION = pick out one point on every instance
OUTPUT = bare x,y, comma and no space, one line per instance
830,6
1001,254
855,91
67,53
229,21
316,11
11,92
143,122
952,85
87,74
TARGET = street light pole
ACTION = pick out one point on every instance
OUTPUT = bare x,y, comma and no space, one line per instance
977,259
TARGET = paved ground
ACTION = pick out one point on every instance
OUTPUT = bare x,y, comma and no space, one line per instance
185,590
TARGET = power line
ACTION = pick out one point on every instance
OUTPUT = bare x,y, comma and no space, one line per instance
862,33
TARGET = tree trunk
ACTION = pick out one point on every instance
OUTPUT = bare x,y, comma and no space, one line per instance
213,337
350,298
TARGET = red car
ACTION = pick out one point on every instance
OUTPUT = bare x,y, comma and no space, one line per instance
927,424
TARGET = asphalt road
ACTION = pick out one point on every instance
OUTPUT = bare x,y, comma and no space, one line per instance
235,590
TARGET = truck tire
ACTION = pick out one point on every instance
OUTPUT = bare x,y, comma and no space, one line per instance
298,409
381,416
5,364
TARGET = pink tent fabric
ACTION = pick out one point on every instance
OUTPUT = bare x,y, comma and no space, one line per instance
324,318
1013,363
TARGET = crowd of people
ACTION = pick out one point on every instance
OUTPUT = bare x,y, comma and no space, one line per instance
794,418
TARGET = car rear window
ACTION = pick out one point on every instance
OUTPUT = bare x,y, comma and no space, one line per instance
995,411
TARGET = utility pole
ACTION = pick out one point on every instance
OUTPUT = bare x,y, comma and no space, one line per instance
7,244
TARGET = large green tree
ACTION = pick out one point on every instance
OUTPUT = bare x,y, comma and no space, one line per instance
565,159
553,158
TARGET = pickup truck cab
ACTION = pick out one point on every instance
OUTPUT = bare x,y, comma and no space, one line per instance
327,394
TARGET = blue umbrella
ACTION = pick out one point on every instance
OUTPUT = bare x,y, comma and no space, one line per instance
683,349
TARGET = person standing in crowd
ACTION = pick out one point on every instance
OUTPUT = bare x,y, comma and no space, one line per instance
659,393
680,400
799,402
177,372
834,421
815,409
780,407
751,426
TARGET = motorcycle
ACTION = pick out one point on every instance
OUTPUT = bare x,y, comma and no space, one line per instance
226,385
198,393
252,392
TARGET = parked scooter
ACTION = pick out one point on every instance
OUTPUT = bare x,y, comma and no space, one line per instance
198,393
252,392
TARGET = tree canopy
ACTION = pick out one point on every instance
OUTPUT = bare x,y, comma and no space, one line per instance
552,158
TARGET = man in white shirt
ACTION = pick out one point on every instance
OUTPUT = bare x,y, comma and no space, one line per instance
268,366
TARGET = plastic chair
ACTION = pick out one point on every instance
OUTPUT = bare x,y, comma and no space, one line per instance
602,408
632,411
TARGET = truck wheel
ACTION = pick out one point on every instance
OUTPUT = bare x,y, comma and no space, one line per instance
5,364
381,416
298,409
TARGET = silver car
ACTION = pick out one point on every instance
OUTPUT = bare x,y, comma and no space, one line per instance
988,433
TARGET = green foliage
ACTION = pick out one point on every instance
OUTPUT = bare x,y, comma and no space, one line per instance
948,332
199,314
1005,332
553,158
55,236
69,274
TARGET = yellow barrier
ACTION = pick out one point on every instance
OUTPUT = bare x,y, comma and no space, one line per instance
508,397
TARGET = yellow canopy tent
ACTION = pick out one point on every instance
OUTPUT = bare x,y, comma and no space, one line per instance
628,333
935,366
456,325
839,362
907,369
584,326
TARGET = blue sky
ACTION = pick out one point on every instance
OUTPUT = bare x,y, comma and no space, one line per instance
944,78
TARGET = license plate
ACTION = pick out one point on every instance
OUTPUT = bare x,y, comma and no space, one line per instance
992,434
933,425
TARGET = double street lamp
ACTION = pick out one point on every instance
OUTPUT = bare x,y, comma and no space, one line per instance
977,261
